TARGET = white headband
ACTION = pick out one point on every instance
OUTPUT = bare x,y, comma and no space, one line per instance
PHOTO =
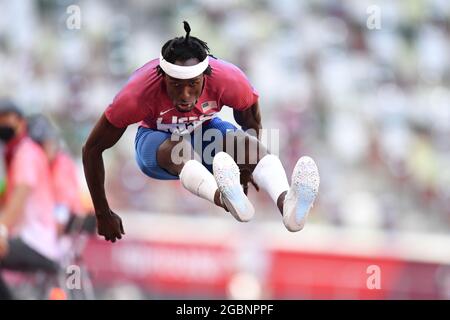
183,72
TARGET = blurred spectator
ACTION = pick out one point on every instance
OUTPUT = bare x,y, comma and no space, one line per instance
28,214
66,187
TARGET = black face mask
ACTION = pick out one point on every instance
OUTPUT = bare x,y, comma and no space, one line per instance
6,133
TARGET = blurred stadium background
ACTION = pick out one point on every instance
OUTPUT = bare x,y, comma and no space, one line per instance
371,106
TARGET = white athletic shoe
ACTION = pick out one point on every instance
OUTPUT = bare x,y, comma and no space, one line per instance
226,173
300,197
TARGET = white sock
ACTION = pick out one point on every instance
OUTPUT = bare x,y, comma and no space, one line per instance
269,174
198,180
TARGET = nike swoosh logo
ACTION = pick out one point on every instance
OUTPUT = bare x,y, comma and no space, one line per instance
164,112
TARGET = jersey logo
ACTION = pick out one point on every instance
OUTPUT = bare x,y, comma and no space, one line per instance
182,125
164,112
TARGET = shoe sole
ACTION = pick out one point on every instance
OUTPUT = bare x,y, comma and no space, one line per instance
304,188
226,173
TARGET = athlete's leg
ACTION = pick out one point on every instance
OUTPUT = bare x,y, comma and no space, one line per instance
245,149
226,171
267,170
242,155
161,158
178,158
172,155
295,202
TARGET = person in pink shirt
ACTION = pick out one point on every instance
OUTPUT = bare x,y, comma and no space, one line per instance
28,234
65,182
177,97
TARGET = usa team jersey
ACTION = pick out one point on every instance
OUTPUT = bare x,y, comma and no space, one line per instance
144,99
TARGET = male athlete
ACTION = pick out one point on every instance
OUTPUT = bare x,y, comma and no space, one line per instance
178,95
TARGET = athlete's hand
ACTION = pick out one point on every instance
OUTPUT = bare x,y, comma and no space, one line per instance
110,226
246,177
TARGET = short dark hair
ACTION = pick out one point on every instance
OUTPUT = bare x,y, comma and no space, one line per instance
7,106
185,48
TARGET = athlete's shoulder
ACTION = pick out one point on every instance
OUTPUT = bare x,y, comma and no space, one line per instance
143,81
231,85
227,76
148,70
137,98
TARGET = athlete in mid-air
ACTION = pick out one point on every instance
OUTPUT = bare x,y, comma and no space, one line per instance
177,96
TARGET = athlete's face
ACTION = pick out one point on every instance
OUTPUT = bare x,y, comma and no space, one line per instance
184,93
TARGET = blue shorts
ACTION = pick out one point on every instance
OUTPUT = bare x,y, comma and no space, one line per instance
148,141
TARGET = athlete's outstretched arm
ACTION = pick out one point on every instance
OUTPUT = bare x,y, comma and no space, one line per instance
103,136
249,118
